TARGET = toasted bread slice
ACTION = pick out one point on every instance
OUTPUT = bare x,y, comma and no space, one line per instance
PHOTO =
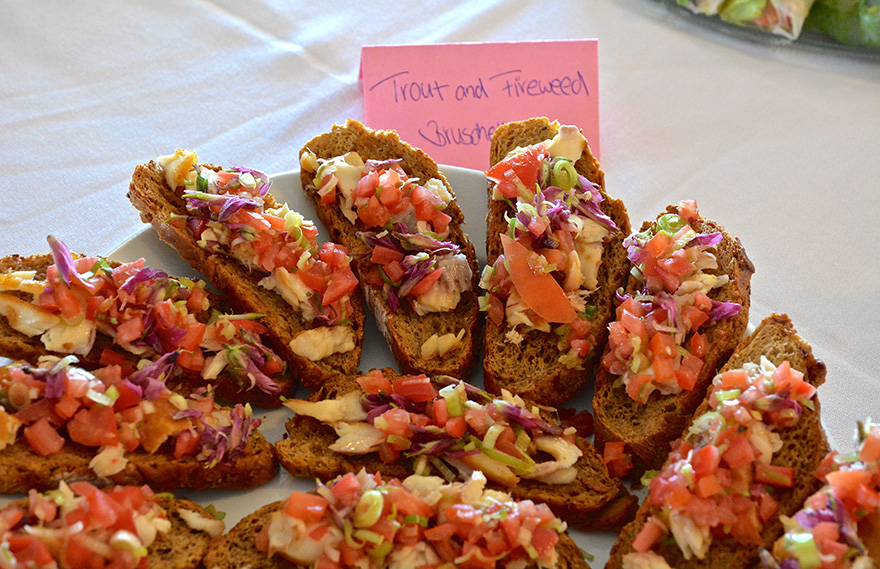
851,482
592,501
22,469
182,546
16,345
164,208
108,428
532,367
237,548
405,331
649,428
803,448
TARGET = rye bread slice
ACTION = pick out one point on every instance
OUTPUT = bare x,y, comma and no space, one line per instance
237,548
532,368
404,330
158,205
594,501
649,428
22,469
804,448
181,547
14,344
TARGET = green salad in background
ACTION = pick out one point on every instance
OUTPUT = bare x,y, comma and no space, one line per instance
851,22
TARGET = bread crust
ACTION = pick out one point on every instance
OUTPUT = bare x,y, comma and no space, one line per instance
22,469
804,447
237,548
14,344
532,369
594,501
649,428
158,204
404,330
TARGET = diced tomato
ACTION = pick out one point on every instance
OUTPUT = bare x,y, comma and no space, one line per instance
374,214
426,283
706,460
66,407
375,382
394,421
456,426
394,271
870,450
524,167
418,388
616,460
94,427
685,378
383,255
664,368
408,504
640,387
633,324
129,330
688,210
736,379
440,221
426,203
28,551
663,344
708,486
739,453
306,506
43,438
366,186
677,263
192,360
342,283
346,490
693,317
187,443
699,345
195,333
647,537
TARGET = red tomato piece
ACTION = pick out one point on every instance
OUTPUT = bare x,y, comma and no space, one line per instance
538,290
417,388
94,427
426,283
383,255
43,438
525,167
342,282
374,382
306,506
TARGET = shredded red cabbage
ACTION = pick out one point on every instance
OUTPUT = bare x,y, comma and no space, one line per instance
722,310
151,378
142,276
63,259
705,240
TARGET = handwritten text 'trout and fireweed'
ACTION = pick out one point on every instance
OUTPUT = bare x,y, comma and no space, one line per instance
400,89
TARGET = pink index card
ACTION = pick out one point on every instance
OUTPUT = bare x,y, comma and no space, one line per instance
448,99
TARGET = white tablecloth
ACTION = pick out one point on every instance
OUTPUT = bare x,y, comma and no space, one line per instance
777,142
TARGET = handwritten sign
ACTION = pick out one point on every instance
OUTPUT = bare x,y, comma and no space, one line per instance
448,99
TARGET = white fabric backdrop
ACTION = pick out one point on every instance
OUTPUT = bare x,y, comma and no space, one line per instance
777,142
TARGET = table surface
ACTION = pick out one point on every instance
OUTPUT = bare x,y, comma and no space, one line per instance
776,141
